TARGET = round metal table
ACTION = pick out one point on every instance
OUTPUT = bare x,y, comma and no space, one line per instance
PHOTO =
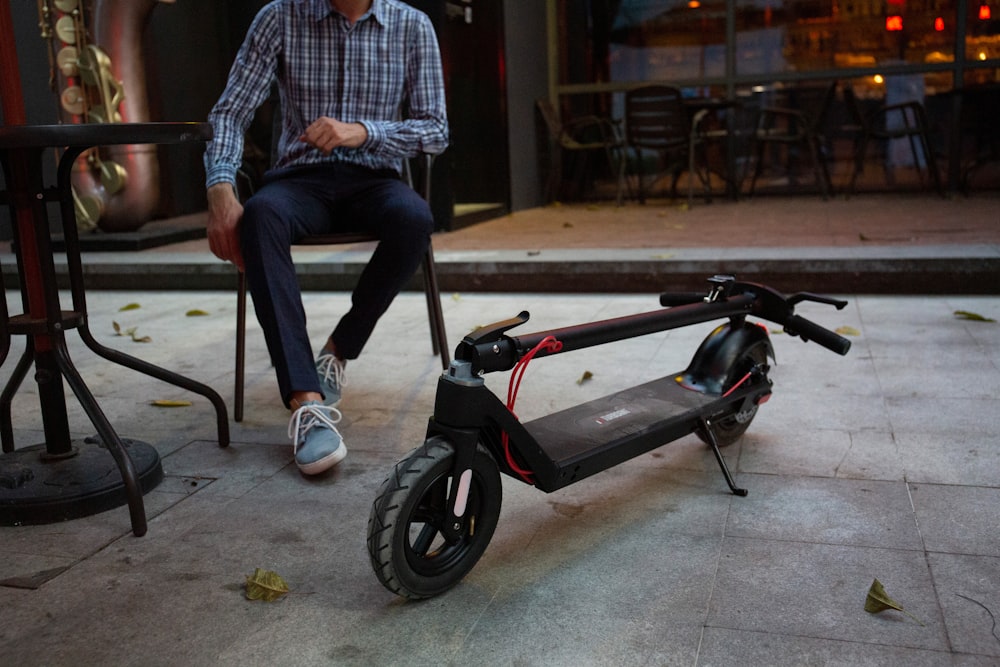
63,478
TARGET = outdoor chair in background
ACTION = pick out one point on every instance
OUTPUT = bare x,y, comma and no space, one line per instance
979,131
886,122
656,120
579,139
798,126
246,182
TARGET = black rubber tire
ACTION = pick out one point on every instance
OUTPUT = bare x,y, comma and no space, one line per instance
408,552
729,429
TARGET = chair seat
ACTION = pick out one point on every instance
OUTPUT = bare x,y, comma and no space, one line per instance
876,126
341,238
799,125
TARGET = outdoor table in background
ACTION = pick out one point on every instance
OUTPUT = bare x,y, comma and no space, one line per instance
724,131
62,479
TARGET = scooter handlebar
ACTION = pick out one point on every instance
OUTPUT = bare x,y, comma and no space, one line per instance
796,325
681,298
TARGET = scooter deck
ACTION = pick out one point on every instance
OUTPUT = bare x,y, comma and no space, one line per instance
593,436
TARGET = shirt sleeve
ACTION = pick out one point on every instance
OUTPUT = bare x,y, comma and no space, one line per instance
424,127
248,85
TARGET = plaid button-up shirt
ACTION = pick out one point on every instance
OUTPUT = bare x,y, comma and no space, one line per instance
384,72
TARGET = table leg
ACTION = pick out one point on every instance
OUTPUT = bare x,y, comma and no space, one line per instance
59,479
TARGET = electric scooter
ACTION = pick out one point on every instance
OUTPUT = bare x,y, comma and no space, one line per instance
436,512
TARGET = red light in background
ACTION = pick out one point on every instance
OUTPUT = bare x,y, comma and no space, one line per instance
939,24
894,23
984,12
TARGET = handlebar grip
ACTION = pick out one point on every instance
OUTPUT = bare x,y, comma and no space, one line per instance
681,298
800,326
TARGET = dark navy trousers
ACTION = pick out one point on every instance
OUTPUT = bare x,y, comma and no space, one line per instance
323,199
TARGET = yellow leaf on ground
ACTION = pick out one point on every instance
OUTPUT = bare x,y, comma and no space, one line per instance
878,600
166,403
587,375
976,317
129,306
265,585
848,331
196,312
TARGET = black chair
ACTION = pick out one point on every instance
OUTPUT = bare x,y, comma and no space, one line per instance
657,120
876,125
439,339
799,124
580,137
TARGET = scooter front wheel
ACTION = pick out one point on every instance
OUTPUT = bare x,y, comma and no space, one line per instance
415,550
729,429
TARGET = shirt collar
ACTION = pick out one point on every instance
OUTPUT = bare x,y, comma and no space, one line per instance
320,9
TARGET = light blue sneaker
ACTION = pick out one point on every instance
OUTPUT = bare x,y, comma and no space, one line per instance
316,441
332,378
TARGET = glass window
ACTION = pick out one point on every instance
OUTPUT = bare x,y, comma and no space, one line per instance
685,40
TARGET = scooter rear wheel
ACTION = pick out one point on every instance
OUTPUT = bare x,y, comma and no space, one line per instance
412,550
728,429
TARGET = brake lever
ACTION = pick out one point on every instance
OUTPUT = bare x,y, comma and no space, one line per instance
798,297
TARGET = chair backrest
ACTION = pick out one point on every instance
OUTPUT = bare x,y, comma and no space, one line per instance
655,117
550,116
815,104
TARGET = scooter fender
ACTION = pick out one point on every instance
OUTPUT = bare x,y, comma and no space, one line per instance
717,354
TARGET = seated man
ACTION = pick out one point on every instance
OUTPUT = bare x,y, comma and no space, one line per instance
361,89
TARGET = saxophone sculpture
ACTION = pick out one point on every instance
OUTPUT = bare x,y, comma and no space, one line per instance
115,188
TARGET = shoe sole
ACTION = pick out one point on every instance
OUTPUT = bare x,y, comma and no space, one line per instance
324,463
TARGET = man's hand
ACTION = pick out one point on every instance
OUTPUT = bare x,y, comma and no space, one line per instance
327,133
224,215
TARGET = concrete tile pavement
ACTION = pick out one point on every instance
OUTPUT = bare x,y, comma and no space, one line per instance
881,464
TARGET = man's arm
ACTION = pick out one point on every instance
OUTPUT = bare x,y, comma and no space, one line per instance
247,86
425,126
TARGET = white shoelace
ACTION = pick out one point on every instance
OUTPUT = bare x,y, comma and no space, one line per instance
333,370
309,416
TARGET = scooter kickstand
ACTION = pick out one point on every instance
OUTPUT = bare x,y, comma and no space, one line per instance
706,429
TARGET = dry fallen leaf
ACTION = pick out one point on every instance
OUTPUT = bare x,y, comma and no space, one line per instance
131,333
848,331
129,306
877,600
167,403
587,375
265,585
196,312
976,317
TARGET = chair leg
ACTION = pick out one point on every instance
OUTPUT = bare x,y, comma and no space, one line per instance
621,179
241,344
818,166
691,159
758,163
859,162
435,313
639,169
931,163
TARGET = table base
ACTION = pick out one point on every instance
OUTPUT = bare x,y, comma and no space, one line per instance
36,491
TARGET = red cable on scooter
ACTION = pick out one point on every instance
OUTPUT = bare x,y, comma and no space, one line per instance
549,344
